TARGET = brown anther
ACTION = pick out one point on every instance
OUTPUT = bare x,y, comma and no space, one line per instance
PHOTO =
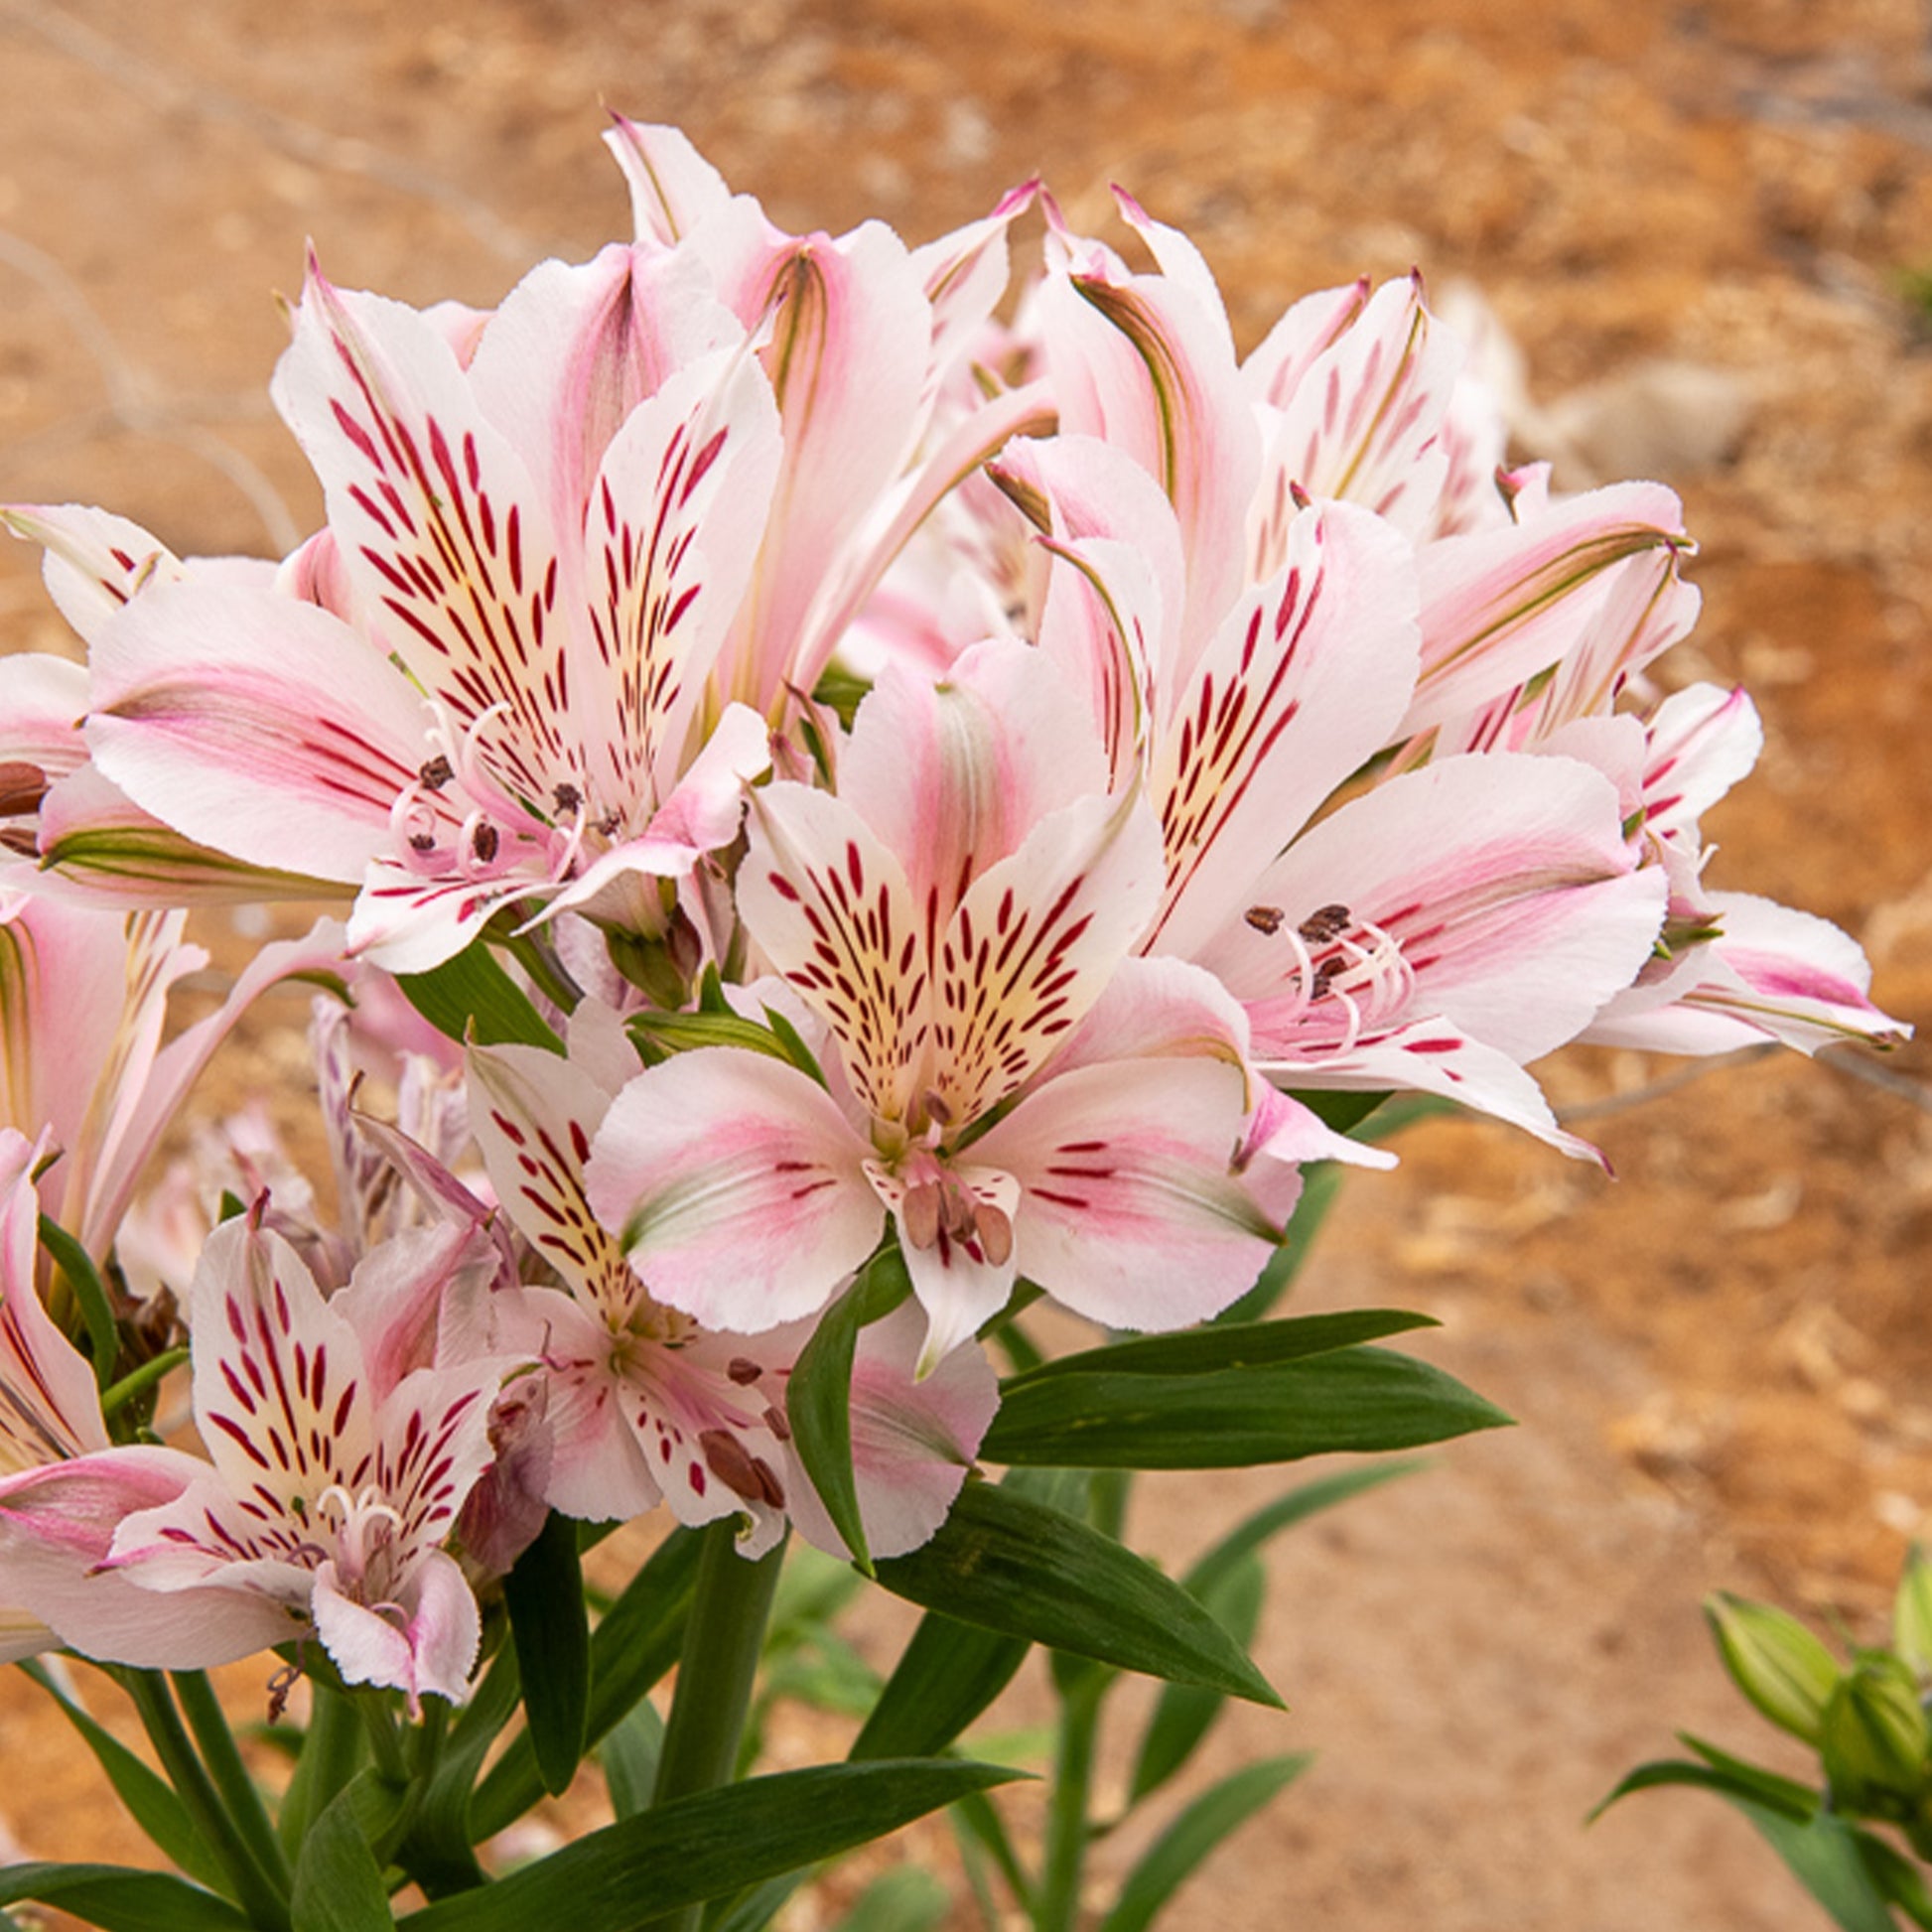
422,841
918,1213
22,787
486,842
778,1422
23,842
436,773
279,1686
938,1111
731,1462
958,1211
1265,918
1325,922
609,823
995,1228
770,1487
568,798
743,1371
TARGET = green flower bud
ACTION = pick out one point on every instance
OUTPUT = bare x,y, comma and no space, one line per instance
1775,1661
1911,1616
1875,1737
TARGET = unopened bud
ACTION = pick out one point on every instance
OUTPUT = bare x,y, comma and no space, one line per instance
1911,1614
1775,1661
1875,1737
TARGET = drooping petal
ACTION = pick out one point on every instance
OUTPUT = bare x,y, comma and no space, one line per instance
1702,741
1131,1214
673,187
735,1187
961,1279
264,728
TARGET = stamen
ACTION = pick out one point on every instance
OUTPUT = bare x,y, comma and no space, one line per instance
484,841
995,1227
743,1371
436,773
1265,918
1325,923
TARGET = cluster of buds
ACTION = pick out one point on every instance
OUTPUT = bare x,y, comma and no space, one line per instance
950,784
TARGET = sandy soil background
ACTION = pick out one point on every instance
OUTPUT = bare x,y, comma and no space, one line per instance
1694,219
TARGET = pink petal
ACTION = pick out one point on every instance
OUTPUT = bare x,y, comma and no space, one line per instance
1131,1214
673,187
736,1185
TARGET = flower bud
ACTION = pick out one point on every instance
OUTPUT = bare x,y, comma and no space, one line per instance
1775,1661
1875,1737
1911,1616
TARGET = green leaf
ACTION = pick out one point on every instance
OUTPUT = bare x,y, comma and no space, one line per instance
1741,1786
1206,1351
472,992
1897,1879
630,1759
91,1292
1823,1857
1191,1839
1355,1399
818,1398
1008,1564
149,1798
1185,1711
119,1899
337,1883
709,1845
755,1908
544,1594
1339,1108
945,1676
904,1899
1754,1781
633,1645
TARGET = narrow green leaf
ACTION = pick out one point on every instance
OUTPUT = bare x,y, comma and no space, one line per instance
544,1594
756,1907
337,1883
1186,1713
1011,1565
945,1676
119,1899
1822,1855
1900,1881
1768,1787
1191,1839
1206,1351
818,1398
91,1292
709,1845
150,1799
1338,1107
1355,1399
633,1645
630,1759
904,1899
138,1381
1741,1790
473,995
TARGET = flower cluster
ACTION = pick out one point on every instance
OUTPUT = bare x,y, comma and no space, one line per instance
935,785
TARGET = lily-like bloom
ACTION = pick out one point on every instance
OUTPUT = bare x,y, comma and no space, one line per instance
642,1402
950,918
341,1458
83,994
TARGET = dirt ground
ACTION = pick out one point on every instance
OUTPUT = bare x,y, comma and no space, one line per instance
1694,219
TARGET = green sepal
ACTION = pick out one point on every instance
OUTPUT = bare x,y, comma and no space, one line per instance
818,1398
544,1594
1011,1565
1194,1836
708,1845
905,1899
471,996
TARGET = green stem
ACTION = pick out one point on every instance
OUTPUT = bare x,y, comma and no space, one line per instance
136,1380
260,1896
730,1606
547,972
330,1755
1059,1907
387,1746
209,1723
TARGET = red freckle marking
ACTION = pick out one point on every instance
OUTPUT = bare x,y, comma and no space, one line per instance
782,887
1432,1046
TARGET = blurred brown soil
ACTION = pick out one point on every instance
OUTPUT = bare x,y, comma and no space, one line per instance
1720,1362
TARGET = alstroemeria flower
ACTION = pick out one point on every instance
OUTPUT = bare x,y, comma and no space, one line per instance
950,917
83,994
642,1402
339,1466
531,564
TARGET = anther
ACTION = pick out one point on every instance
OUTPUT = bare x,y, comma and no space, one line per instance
22,787
422,841
1324,923
778,1422
995,1228
1265,918
731,1464
485,842
568,798
436,773
743,1371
